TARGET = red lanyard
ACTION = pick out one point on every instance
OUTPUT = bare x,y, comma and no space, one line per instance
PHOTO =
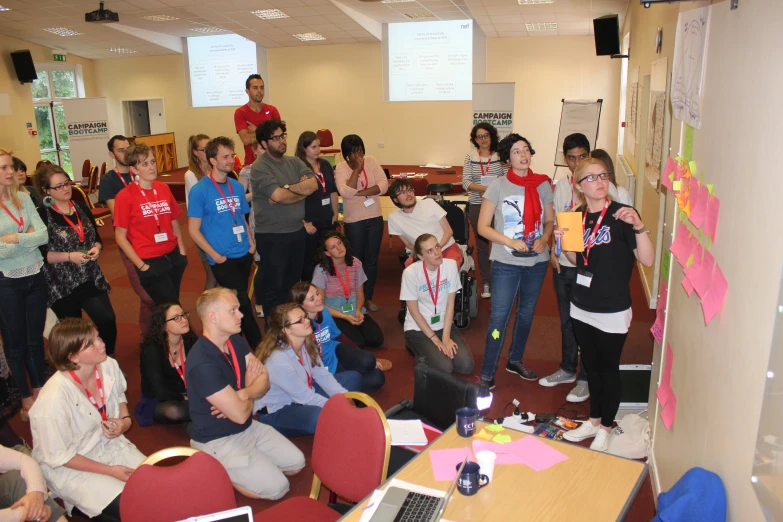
589,245
309,375
434,296
235,364
101,409
230,191
77,227
181,366
19,222
347,285
321,180
124,184
153,209
366,180
481,165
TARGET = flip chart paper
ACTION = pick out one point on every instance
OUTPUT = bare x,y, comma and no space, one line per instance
573,240
711,219
702,278
714,297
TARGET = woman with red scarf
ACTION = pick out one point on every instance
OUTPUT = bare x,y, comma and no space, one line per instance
522,205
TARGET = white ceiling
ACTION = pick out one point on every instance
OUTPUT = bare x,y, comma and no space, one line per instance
27,19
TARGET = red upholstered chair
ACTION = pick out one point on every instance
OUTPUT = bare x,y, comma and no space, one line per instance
295,509
327,142
196,486
104,166
351,447
86,175
99,213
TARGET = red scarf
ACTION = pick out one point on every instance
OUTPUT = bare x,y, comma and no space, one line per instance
532,212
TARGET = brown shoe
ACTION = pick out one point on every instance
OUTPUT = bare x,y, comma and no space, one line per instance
385,364
372,307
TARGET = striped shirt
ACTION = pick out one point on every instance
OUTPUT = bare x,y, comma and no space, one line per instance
471,172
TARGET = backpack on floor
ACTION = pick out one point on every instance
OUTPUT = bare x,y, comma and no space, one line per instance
631,437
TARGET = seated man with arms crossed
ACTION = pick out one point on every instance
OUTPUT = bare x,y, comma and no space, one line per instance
420,217
224,379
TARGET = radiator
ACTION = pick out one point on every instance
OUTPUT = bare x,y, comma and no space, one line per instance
625,176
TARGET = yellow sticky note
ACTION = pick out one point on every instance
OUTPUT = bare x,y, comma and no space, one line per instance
711,188
501,439
693,167
677,185
495,428
495,334
573,241
689,262
483,435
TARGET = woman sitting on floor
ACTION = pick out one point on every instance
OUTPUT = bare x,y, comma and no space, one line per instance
25,496
300,383
340,275
336,356
78,424
163,354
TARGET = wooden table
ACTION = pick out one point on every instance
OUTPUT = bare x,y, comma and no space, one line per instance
588,486
420,184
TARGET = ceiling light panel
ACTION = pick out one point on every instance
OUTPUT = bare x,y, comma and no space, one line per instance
122,50
160,18
309,37
542,26
62,31
4,8
396,1
535,2
207,30
414,16
270,14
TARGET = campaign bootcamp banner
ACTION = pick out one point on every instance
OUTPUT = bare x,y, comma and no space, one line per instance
494,103
87,124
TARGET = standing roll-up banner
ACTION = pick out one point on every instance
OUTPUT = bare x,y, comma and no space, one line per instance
87,123
494,103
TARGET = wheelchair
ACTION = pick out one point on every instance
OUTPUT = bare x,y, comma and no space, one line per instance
466,302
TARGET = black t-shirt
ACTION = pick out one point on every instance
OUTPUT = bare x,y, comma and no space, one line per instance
159,380
611,262
208,371
110,185
316,212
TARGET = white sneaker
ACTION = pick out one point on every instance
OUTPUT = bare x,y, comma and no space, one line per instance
559,377
601,441
585,431
580,393
485,293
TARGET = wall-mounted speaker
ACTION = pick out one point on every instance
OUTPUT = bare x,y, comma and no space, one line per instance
607,35
24,66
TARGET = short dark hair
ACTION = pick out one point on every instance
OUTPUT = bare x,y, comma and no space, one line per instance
397,186
19,164
351,144
255,76
67,338
575,141
493,135
211,149
117,137
504,147
268,128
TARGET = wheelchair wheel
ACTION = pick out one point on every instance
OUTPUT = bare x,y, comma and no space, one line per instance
474,298
461,320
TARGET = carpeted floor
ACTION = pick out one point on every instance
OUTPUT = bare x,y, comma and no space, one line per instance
542,355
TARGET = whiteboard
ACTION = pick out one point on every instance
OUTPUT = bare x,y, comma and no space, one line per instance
577,116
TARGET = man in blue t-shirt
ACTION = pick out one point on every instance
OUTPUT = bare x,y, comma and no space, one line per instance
224,379
216,220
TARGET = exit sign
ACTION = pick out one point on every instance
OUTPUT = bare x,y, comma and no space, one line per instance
59,57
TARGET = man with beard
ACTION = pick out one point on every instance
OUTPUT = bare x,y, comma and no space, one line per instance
249,116
111,184
280,184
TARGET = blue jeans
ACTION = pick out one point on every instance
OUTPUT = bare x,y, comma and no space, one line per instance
365,237
509,281
22,320
564,287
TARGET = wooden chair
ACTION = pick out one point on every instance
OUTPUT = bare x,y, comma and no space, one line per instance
98,213
86,176
327,143
104,166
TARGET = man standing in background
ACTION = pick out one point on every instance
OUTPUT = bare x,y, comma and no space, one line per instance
253,114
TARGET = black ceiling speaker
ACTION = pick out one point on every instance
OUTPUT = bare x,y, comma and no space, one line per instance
607,35
24,66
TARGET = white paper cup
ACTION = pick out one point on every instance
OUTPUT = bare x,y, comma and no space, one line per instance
486,461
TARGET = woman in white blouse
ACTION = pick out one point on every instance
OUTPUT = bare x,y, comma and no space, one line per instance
78,424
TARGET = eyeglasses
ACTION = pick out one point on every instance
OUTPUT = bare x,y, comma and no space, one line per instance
592,177
482,136
405,191
62,185
179,317
278,137
301,320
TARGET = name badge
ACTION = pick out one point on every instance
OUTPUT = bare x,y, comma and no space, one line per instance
238,229
160,238
326,201
435,319
369,202
347,308
584,278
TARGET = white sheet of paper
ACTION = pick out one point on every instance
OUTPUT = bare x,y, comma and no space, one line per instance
405,432
435,166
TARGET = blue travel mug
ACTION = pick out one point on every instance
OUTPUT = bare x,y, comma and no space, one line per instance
470,480
466,421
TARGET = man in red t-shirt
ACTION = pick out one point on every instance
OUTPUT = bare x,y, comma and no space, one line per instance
253,114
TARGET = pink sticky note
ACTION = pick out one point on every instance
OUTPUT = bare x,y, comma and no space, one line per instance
669,411
680,247
503,451
687,285
536,453
669,364
679,172
671,166
711,219
657,328
703,277
444,462
699,209
696,265
693,190
664,393
714,297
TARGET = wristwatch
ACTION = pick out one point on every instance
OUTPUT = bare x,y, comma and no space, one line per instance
287,186
643,230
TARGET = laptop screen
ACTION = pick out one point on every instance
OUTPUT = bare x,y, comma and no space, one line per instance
242,514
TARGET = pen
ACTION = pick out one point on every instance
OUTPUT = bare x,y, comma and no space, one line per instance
558,249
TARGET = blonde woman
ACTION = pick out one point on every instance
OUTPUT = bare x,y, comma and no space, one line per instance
22,284
198,167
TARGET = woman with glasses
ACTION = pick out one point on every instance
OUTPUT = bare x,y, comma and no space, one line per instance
73,276
163,354
361,181
623,196
22,285
615,238
198,167
521,205
300,383
480,168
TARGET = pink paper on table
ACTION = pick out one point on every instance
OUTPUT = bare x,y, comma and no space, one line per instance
504,452
714,297
536,453
699,210
680,247
444,462
711,220
696,265
687,285
703,277
669,412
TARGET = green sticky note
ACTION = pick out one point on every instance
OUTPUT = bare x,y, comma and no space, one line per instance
495,428
711,188
495,334
709,243
677,185
689,262
693,167
688,147
683,216
667,263
501,439
698,231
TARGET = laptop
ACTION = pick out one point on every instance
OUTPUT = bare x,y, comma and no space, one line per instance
401,505
242,514
635,380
